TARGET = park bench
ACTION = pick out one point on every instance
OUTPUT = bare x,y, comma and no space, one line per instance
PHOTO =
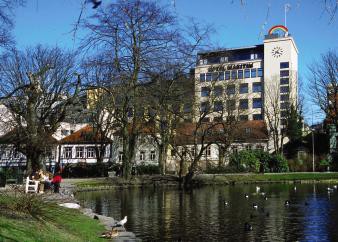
31,185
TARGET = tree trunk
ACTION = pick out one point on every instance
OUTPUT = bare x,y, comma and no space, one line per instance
33,162
162,158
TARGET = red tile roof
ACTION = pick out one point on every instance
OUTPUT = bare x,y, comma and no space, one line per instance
84,136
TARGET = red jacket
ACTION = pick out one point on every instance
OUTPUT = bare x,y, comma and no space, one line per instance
56,179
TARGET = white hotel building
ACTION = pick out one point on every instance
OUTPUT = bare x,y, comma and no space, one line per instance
259,78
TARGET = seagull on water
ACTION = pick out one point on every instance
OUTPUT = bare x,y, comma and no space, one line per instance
121,223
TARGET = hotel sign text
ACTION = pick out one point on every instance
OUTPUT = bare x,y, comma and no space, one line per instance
230,67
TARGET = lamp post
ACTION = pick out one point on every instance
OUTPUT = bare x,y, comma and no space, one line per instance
313,151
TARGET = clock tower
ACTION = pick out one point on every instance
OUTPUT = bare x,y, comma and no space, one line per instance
280,74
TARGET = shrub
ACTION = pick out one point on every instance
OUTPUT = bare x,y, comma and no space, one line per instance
245,161
144,169
278,164
80,170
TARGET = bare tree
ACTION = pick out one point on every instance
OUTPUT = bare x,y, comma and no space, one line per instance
324,85
137,38
6,21
39,86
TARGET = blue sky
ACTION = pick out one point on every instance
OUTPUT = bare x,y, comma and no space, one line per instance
50,22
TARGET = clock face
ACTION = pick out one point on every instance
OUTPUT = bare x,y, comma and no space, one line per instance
277,52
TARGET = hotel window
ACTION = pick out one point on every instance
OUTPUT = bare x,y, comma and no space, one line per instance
227,75
243,88
218,91
247,73
243,117
218,106
202,77
234,74
284,73
142,155
284,89
257,103
284,97
253,72
152,155
231,89
204,107
215,76
283,121
208,77
231,104
90,152
260,72
243,104
284,81
205,91
257,117
68,152
257,87
240,74
221,76
120,156
284,65
79,152
224,59
284,114
284,105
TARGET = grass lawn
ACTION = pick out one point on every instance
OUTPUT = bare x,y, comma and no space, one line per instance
49,223
267,177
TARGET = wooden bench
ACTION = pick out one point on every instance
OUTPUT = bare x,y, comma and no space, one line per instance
31,185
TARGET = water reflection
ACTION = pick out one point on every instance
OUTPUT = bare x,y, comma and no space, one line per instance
201,215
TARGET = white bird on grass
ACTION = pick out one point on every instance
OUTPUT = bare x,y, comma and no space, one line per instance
121,223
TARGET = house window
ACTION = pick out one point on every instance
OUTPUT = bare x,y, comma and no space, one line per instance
260,72
68,152
218,91
142,155
243,117
231,89
227,75
284,65
205,91
243,104
64,132
152,155
205,107
221,76
218,119
79,152
253,72
257,87
260,147
247,73
257,103
208,77
120,156
202,77
284,81
215,76
208,151
248,147
243,88
90,152
284,73
187,108
240,74
257,117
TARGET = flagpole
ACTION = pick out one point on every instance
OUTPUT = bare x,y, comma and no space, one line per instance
285,15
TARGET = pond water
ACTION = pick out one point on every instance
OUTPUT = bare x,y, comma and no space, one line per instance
167,214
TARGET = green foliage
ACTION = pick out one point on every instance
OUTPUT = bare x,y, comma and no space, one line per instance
245,161
294,125
256,161
144,169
